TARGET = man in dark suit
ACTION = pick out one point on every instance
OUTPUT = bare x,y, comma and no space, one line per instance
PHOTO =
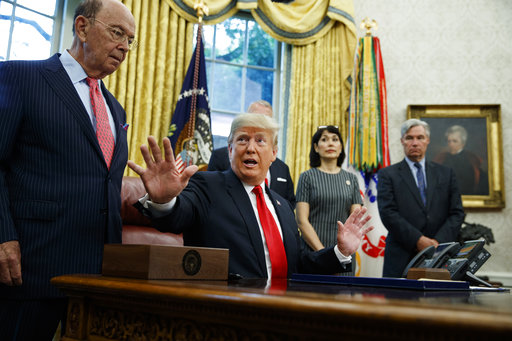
419,202
219,209
59,185
279,173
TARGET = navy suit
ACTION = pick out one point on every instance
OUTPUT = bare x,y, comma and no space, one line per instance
214,210
280,179
406,218
57,196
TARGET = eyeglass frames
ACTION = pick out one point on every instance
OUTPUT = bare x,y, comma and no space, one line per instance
118,35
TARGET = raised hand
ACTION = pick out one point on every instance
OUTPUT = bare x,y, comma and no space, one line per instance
352,232
161,178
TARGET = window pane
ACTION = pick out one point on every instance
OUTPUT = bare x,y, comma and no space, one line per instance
229,41
43,6
5,26
208,31
31,38
259,85
221,124
261,47
226,94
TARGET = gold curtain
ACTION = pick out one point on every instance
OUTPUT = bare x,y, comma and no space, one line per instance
149,81
319,92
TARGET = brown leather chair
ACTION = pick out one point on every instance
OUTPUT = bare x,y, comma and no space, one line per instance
136,227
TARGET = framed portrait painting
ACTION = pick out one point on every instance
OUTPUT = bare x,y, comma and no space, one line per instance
467,138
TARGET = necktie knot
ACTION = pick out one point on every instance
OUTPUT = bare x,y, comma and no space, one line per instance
257,190
417,165
92,82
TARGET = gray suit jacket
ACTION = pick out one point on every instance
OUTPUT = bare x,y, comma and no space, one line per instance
406,218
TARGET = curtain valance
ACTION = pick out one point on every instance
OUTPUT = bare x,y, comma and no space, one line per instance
298,23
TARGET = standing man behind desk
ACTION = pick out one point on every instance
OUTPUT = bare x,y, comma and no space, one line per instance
419,202
279,173
234,209
62,157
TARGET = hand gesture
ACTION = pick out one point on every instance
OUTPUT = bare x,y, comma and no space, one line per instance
10,263
161,178
352,232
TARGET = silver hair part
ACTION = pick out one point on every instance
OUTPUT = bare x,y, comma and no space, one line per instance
254,120
457,129
413,122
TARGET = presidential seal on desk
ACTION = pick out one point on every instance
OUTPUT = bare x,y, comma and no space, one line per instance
191,262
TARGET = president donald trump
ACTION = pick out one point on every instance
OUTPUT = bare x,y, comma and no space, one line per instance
234,209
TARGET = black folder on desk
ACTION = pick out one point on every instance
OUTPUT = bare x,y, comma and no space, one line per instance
397,283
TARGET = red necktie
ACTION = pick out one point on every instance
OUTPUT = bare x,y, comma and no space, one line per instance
103,130
274,242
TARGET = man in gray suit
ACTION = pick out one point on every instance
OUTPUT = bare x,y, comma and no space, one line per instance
419,201
59,183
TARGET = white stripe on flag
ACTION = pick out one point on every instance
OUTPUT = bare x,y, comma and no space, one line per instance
180,166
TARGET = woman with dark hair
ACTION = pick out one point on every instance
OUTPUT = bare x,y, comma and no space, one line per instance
325,193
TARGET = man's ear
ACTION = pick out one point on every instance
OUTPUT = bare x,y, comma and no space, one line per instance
82,25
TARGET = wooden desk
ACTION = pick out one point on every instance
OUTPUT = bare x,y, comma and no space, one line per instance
107,308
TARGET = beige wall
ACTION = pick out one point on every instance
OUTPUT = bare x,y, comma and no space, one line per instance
450,52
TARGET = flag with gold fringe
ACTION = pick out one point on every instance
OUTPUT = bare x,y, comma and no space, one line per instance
190,129
367,145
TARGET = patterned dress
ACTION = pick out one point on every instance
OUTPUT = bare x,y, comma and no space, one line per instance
330,197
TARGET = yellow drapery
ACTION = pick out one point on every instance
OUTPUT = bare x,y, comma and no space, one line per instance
319,94
149,81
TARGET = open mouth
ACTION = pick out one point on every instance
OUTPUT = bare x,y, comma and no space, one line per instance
250,163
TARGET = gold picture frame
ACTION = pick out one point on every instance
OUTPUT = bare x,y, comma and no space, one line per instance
479,163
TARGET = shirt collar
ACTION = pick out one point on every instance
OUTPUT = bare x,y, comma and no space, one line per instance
73,68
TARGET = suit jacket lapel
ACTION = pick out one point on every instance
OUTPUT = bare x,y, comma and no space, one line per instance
289,239
59,81
237,191
406,174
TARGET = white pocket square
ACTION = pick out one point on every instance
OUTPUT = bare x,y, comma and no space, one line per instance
281,179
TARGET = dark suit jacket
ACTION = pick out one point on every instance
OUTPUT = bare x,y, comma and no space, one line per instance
214,210
280,179
57,196
406,218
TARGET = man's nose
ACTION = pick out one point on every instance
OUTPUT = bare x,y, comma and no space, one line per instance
251,145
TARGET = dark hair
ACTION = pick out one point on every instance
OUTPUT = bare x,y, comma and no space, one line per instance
314,157
88,9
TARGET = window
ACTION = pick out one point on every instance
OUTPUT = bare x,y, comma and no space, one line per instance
26,28
243,66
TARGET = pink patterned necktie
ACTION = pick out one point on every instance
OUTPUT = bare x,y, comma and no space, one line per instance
275,244
103,130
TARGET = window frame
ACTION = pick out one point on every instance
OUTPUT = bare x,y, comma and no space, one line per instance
277,70
57,18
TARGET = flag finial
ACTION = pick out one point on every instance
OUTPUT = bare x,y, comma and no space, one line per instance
201,9
368,24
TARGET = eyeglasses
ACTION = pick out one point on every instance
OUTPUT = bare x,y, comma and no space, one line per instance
325,127
119,36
